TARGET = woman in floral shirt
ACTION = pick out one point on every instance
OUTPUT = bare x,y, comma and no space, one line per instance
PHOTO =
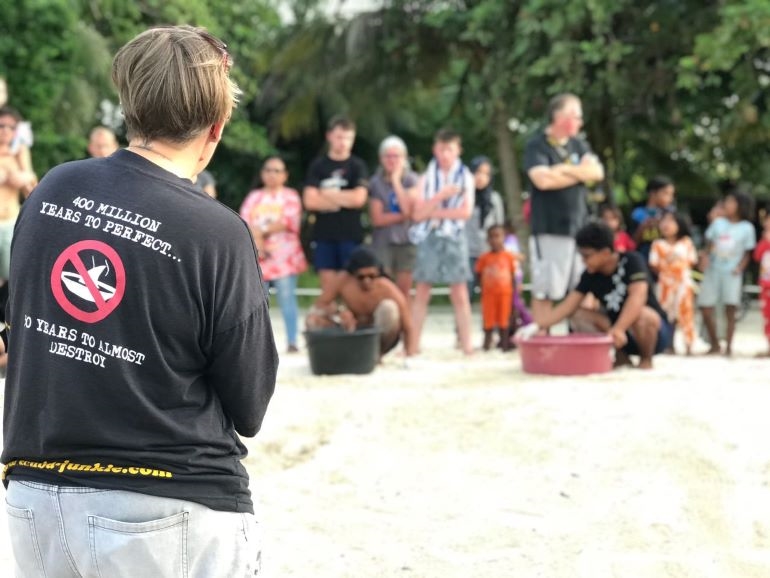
273,214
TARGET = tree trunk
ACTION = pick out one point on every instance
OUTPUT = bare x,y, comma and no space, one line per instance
509,171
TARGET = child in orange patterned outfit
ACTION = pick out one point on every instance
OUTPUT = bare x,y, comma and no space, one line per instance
762,256
672,257
497,270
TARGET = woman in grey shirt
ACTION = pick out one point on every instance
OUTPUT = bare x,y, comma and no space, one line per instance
391,198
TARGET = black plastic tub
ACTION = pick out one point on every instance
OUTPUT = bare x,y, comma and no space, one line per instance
334,351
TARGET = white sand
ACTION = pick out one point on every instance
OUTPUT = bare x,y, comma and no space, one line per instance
462,468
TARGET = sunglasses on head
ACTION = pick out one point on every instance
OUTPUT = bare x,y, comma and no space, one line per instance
220,47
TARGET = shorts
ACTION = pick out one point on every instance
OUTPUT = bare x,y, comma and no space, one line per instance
555,265
720,287
496,309
442,260
396,258
665,339
333,255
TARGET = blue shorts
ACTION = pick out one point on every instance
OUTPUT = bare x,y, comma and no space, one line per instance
332,255
665,339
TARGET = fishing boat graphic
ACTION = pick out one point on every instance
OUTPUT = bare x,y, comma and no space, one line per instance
75,283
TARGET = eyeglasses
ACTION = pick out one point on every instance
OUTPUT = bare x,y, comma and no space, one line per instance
219,46
364,276
272,170
8,126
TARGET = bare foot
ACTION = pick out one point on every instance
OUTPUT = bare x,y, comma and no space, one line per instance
688,351
714,350
729,352
763,355
622,360
645,363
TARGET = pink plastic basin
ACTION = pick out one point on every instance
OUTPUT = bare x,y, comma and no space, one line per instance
575,354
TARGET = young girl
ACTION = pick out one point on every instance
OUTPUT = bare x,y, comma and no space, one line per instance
614,220
762,256
672,258
730,240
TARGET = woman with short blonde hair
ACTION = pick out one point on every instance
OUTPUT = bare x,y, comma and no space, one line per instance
163,352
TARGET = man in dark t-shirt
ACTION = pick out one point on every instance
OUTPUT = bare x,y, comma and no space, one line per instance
336,191
621,282
559,165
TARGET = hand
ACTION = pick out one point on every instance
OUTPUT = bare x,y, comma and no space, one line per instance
259,239
526,332
703,261
348,320
619,338
448,191
737,271
589,159
398,172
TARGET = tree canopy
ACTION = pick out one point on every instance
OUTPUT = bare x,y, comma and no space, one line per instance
668,86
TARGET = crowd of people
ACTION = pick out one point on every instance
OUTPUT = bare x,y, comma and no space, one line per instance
140,345
448,226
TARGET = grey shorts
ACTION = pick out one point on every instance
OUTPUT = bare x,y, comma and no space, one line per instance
396,258
720,287
555,266
442,260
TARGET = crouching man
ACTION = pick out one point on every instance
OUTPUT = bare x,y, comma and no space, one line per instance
628,312
362,296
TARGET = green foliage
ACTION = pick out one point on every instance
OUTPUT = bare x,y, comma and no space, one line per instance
659,96
54,65
727,76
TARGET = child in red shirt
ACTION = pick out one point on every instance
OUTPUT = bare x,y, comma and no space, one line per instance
497,271
614,220
762,256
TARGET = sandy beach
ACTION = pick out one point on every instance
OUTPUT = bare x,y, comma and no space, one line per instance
455,467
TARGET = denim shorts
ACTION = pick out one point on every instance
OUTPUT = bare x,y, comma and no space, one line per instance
77,532
665,339
442,260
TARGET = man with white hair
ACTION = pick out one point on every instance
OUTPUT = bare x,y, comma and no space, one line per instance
559,165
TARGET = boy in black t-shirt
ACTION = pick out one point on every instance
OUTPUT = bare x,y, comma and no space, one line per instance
336,190
629,312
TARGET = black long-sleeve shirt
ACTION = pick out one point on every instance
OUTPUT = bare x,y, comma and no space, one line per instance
139,340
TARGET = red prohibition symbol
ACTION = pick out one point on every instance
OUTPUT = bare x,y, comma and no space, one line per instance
85,283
